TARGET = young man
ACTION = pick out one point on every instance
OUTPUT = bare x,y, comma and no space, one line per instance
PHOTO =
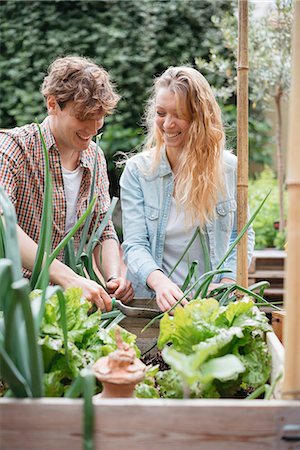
78,95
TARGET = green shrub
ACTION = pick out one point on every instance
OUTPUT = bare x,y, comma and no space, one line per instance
265,233
133,40
116,142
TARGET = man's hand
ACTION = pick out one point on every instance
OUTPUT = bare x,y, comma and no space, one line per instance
167,292
64,276
120,288
92,291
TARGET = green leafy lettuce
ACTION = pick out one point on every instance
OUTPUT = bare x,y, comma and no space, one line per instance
87,342
211,348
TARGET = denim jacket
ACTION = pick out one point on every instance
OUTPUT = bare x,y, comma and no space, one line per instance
146,201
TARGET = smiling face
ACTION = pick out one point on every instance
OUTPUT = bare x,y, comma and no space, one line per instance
72,134
171,119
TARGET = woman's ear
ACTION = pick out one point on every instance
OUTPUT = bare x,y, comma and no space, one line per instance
52,105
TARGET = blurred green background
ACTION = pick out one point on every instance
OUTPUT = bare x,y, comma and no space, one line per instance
135,41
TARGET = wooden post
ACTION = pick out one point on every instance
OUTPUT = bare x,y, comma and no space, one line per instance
242,141
291,330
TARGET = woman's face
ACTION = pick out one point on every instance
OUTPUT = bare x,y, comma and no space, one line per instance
170,120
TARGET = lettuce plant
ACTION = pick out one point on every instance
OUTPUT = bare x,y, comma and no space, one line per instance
214,350
86,341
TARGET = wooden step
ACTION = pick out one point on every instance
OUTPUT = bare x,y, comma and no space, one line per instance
274,294
268,265
267,274
269,259
269,253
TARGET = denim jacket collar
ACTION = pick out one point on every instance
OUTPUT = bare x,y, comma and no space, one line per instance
163,168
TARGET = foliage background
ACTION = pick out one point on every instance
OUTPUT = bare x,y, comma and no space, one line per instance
135,41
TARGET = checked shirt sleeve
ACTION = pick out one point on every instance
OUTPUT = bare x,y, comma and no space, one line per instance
10,162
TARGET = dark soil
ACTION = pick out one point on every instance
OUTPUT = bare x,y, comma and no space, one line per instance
150,359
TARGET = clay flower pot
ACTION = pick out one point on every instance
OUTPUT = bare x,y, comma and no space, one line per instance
120,371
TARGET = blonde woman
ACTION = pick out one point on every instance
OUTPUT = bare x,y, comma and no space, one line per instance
183,179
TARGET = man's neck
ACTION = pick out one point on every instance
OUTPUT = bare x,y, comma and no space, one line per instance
69,161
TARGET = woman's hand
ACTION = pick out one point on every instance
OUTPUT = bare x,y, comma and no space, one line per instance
167,292
213,286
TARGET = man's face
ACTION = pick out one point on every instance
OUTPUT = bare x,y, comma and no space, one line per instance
72,134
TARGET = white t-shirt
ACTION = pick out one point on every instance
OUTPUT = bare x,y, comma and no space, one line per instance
178,235
72,181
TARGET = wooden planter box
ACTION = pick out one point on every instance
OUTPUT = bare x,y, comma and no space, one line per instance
142,424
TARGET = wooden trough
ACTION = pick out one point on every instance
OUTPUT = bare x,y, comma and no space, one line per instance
135,424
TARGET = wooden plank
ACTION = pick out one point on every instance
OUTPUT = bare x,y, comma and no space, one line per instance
135,424
277,323
274,294
265,261
291,334
269,253
268,274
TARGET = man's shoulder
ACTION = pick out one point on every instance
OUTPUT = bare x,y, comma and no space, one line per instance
24,131
22,136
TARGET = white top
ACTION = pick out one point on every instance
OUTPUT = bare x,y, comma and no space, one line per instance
72,181
178,235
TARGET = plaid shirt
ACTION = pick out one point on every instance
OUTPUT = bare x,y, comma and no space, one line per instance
22,174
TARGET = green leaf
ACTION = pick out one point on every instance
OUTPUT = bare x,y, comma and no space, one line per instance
5,283
70,258
88,413
64,242
97,232
63,321
35,359
44,243
88,219
12,376
2,239
224,368
257,361
10,238
190,275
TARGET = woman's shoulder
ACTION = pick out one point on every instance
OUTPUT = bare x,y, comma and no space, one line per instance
140,161
230,160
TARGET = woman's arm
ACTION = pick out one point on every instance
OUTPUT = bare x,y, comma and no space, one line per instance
136,245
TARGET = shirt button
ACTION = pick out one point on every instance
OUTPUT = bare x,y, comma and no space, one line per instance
152,217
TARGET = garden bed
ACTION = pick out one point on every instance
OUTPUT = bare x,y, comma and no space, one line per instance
134,424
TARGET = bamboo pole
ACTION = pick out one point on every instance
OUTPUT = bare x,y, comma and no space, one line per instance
242,141
291,331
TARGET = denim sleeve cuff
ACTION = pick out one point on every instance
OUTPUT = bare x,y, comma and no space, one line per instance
218,278
145,271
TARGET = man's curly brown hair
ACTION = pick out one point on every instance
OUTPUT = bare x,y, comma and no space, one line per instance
80,80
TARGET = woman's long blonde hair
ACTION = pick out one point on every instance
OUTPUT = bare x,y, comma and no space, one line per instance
198,176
